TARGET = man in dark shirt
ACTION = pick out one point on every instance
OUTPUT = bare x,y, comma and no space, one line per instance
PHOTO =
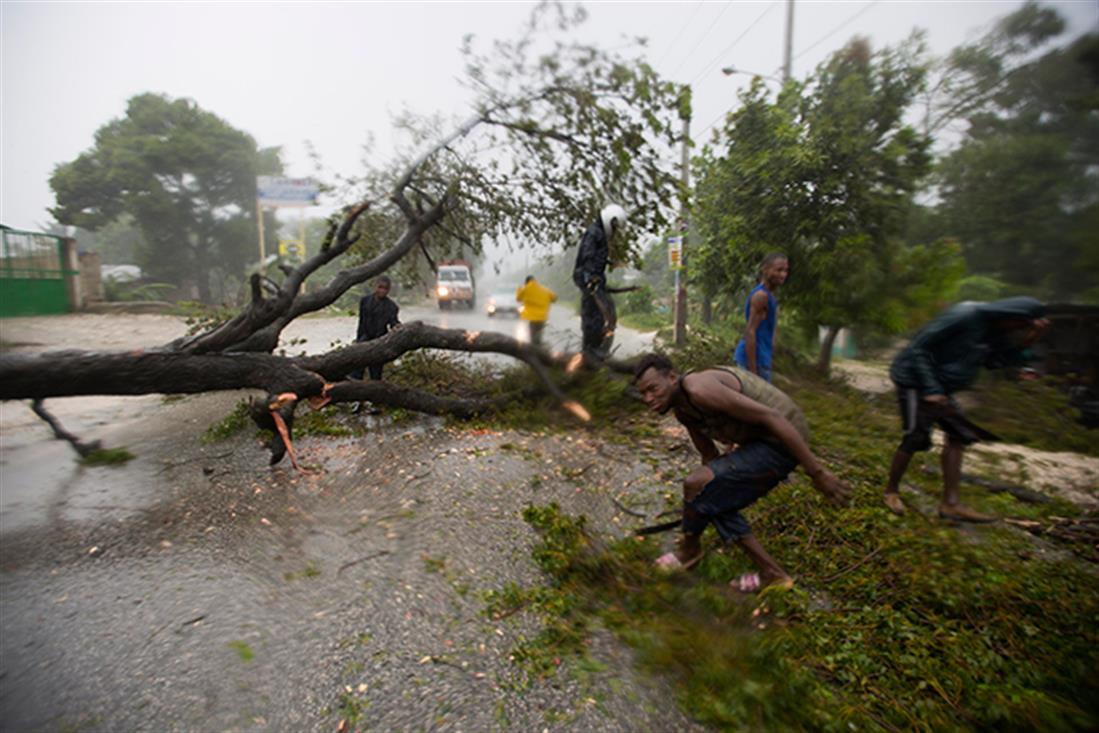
597,312
946,357
377,315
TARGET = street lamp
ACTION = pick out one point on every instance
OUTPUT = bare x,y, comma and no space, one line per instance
730,70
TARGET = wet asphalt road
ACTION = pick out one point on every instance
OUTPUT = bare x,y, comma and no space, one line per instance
562,331
195,589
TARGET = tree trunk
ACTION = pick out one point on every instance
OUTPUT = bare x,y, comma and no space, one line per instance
707,309
75,373
202,271
824,361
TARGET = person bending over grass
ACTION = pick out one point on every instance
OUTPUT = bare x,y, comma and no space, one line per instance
765,437
945,357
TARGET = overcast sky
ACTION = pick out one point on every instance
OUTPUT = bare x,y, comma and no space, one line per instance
335,73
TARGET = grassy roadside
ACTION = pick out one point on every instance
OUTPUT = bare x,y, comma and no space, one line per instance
896,623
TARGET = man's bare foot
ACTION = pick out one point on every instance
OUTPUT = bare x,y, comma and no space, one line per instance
962,513
893,501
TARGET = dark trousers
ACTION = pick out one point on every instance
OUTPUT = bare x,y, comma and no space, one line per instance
375,370
536,329
375,373
741,477
598,319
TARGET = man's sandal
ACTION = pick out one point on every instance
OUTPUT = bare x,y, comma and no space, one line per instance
747,583
670,562
962,513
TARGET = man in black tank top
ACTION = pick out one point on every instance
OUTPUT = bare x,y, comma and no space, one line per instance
768,438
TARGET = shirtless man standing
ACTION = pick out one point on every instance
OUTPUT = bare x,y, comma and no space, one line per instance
766,437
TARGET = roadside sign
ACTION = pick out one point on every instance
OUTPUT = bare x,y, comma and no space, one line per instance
278,191
292,249
675,252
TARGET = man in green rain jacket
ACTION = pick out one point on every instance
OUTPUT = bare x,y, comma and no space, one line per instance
946,357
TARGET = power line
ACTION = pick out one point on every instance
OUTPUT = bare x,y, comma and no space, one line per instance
727,49
677,35
713,24
837,29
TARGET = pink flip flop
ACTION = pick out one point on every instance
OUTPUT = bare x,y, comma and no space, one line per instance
668,561
747,583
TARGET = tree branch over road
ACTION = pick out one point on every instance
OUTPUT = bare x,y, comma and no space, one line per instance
573,126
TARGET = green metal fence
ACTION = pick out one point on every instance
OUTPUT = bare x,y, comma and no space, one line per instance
32,274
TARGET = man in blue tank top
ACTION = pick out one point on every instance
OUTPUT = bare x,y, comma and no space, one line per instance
756,347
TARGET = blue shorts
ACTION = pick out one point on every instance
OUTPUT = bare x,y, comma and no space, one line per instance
740,478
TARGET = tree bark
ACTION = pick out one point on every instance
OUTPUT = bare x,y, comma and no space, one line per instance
75,373
824,361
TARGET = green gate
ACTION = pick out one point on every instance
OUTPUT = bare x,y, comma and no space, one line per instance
32,274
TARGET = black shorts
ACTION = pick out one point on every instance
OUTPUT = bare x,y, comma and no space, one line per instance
919,416
741,477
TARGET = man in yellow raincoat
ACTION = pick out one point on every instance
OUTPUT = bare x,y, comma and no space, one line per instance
535,299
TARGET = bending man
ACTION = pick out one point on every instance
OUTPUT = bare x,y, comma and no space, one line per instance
946,357
765,437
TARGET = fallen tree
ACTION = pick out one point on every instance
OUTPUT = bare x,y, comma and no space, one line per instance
553,138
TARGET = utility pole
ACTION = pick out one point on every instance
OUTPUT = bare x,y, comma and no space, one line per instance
786,60
685,179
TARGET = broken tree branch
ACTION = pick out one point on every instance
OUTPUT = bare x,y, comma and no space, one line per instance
82,448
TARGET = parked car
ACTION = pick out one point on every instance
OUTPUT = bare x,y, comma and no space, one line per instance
502,302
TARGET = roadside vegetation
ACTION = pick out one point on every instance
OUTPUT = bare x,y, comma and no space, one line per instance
895,623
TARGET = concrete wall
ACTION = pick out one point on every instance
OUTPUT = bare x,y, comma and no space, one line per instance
91,278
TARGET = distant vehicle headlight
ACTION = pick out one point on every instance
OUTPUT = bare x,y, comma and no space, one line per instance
443,292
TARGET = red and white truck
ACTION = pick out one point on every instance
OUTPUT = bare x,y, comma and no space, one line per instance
454,284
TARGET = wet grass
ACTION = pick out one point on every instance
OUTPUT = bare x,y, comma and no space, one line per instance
897,623
243,650
236,421
107,457
1034,413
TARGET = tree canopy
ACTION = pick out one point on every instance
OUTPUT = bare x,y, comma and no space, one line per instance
185,176
825,173
1021,191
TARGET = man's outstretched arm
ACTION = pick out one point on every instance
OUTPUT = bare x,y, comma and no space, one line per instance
714,395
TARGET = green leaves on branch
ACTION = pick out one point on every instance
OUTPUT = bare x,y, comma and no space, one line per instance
563,129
